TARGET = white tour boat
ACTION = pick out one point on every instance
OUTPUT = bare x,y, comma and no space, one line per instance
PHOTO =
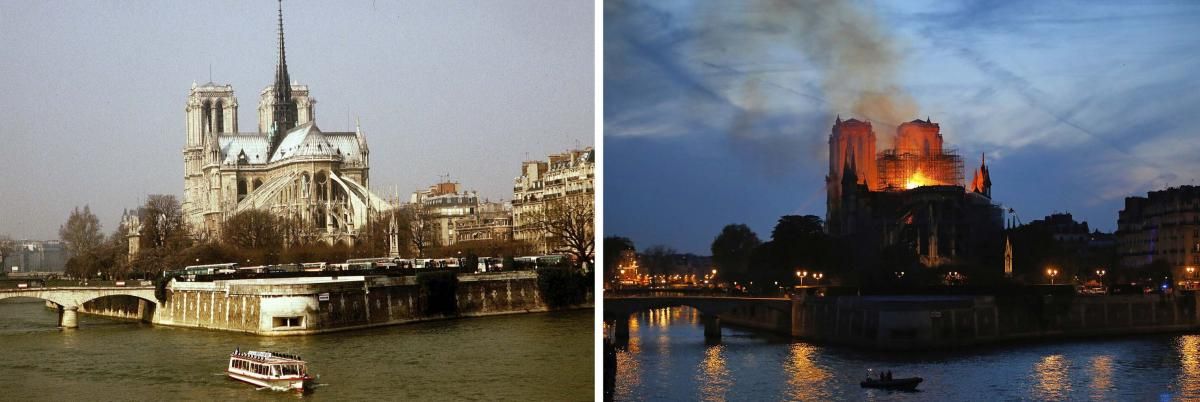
279,371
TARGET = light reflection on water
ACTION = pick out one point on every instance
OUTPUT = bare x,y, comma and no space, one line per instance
750,365
1051,374
1101,375
713,376
806,379
1188,348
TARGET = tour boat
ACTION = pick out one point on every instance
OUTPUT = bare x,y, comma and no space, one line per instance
278,371
907,384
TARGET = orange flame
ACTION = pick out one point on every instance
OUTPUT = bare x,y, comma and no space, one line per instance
918,179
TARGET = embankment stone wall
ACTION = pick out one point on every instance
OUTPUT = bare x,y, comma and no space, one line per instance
304,306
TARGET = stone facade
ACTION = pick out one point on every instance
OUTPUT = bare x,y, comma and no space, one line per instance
441,205
491,221
296,306
1164,225
569,174
289,166
36,256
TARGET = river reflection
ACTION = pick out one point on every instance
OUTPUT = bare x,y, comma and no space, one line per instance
806,379
1101,369
545,356
1188,348
670,361
1052,377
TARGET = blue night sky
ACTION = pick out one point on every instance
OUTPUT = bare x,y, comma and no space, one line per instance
719,112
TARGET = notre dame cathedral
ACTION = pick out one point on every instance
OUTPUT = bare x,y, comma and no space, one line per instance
288,166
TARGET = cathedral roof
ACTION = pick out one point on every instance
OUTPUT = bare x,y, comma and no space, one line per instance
307,140
253,145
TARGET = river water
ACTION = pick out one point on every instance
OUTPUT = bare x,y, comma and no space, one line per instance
543,356
667,359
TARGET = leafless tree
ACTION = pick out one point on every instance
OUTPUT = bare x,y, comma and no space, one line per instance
569,224
420,228
163,225
81,233
297,233
253,229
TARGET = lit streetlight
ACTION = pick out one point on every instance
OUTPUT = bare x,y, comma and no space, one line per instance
801,275
818,276
1051,272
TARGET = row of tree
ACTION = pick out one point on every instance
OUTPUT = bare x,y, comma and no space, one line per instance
256,237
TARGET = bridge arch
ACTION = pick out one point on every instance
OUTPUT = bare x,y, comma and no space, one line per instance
618,310
70,299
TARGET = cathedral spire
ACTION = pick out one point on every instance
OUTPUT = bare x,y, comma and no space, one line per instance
284,113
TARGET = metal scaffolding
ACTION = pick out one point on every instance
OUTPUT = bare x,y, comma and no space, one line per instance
903,169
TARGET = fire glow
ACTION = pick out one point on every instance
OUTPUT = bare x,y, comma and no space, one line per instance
918,179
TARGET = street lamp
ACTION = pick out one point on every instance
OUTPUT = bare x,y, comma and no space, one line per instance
899,274
1051,272
818,276
1190,270
801,275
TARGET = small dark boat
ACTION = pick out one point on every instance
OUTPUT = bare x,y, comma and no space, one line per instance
907,384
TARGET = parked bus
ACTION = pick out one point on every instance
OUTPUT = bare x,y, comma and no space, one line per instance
257,269
489,264
283,268
210,269
371,263
313,266
540,261
422,263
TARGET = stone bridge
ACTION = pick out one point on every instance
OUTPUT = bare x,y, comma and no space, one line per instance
618,309
69,299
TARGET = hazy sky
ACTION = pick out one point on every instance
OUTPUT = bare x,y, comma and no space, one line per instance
719,112
92,94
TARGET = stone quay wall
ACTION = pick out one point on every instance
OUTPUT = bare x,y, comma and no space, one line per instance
295,306
933,322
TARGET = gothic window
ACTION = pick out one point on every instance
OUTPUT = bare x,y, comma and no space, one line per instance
220,113
322,185
241,189
207,115
257,184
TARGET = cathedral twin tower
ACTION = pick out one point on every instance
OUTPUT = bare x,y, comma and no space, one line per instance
288,167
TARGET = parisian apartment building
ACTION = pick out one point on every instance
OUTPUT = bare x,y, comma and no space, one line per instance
560,176
1164,225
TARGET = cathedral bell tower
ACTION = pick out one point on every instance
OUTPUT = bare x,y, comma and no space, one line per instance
211,111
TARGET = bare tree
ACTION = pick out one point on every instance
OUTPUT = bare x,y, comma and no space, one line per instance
377,237
297,233
253,229
420,228
569,224
81,233
163,225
